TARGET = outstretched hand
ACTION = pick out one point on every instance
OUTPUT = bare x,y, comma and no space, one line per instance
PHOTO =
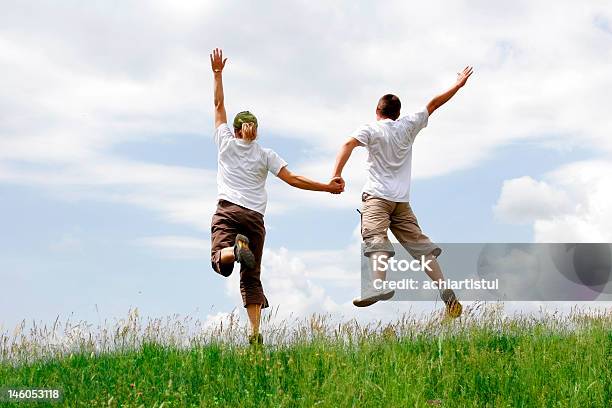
463,76
336,185
217,62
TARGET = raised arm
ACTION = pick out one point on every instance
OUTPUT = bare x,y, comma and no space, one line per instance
343,156
335,186
441,99
218,63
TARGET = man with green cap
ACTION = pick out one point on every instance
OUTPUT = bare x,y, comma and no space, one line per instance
237,229
244,117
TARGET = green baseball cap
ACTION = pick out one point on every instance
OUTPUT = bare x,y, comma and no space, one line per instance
244,117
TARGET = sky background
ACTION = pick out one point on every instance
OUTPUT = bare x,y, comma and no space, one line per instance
107,163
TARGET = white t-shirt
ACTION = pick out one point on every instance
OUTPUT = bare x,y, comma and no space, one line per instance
242,169
389,143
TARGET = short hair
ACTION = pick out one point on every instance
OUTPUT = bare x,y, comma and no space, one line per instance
389,106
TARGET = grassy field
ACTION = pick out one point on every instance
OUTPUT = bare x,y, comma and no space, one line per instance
485,359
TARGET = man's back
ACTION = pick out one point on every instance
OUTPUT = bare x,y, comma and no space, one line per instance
386,193
242,169
389,144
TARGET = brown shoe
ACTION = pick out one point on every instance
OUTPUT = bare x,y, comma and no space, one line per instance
256,339
242,253
453,307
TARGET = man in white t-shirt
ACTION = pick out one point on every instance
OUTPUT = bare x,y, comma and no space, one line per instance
237,228
386,193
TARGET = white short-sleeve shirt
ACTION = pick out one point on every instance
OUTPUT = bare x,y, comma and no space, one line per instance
389,144
242,169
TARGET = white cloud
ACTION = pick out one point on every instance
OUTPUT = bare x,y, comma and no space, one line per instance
287,286
524,199
82,79
589,182
572,205
214,322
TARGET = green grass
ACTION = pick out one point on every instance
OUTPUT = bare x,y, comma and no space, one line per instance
482,361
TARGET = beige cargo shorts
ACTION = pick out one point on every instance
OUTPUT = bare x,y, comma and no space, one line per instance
379,215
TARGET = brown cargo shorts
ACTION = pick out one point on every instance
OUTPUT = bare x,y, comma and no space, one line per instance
378,215
228,221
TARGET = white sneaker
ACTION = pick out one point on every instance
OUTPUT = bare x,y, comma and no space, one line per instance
372,296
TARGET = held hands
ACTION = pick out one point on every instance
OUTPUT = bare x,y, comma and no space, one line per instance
336,185
217,62
463,76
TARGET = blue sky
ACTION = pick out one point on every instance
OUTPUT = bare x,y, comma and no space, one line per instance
107,164
71,257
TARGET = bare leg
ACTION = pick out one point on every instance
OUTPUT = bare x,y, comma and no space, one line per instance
453,307
254,313
227,255
435,274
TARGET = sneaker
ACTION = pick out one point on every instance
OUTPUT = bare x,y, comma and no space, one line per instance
373,296
242,252
256,339
453,307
